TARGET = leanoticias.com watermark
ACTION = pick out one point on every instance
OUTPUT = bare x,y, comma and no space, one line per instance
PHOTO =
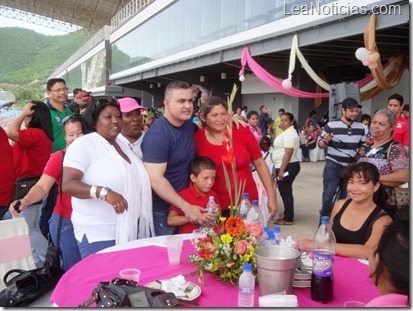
316,8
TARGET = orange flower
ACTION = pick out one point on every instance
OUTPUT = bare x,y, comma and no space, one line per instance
234,226
229,156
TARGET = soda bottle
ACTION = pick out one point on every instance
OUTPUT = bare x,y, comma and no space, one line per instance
244,205
246,287
324,249
254,215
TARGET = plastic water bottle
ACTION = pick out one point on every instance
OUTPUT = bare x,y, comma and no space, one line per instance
212,207
246,287
254,215
271,239
244,206
324,249
263,239
277,235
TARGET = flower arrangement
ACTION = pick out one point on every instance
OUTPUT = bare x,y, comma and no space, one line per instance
225,248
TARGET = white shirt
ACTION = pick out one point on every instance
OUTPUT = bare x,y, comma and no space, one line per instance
136,146
102,165
287,139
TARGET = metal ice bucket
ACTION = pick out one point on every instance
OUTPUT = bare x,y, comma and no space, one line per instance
276,267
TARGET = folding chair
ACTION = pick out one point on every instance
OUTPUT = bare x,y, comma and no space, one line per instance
15,247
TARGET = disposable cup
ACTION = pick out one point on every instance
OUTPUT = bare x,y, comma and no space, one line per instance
354,304
131,274
174,247
198,233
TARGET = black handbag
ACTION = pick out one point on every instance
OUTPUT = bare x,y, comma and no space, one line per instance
125,293
27,286
23,186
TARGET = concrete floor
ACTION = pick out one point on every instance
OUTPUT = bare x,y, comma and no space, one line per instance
307,189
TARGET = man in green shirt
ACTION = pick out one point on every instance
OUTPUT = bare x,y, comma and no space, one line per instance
276,125
57,92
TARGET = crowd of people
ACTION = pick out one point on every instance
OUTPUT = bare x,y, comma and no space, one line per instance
110,173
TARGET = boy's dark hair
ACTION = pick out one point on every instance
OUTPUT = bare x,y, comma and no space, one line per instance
397,97
201,163
365,117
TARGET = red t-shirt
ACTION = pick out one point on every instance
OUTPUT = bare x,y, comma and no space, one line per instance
192,196
246,150
54,169
401,131
32,152
7,170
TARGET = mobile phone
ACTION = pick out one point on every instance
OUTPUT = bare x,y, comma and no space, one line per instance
285,175
16,206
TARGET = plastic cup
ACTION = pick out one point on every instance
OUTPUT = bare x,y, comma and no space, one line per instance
354,304
131,274
198,233
174,246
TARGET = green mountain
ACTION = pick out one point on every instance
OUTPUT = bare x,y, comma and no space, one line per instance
27,58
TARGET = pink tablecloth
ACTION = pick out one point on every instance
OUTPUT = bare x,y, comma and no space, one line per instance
75,287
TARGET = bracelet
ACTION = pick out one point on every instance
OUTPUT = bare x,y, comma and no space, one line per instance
104,193
93,190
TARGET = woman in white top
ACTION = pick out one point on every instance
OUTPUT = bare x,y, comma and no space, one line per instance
286,164
110,188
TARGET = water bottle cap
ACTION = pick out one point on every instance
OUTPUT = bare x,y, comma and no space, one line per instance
211,198
254,202
247,267
271,235
277,229
266,229
245,195
325,219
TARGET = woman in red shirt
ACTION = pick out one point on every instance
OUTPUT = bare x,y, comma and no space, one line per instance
209,142
8,173
31,151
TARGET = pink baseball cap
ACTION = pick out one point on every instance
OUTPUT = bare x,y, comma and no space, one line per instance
128,104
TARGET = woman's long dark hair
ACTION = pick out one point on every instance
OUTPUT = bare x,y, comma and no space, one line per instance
93,111
393,252
370,173
41,119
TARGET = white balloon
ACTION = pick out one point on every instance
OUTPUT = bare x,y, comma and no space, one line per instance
287,84
241,78
362,54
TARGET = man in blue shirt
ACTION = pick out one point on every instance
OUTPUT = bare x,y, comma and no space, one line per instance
264,120
168,149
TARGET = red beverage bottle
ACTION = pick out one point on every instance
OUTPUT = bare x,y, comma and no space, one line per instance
322,276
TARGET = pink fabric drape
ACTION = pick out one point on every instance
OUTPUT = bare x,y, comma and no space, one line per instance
271,81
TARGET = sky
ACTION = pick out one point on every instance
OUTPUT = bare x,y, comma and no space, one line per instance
11,22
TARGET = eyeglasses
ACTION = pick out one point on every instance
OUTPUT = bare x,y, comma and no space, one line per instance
65,89
75,117
349,130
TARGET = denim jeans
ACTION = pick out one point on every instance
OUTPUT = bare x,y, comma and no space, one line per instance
86,248
161,227
68,244
332,179
286,189
37,240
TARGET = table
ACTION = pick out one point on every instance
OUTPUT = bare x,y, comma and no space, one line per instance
150,255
